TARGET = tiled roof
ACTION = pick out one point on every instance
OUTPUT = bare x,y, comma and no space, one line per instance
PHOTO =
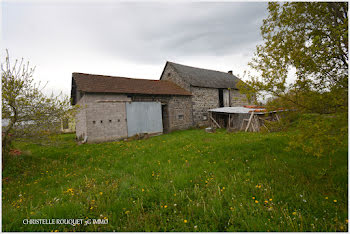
205,78
113,84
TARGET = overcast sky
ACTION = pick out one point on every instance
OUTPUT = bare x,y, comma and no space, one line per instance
129,39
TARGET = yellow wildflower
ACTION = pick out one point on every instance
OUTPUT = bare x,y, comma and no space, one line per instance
101,193
294,213
142,190
335,200
326,198
270,199
256,201
253,198
185,220
165,206
266,201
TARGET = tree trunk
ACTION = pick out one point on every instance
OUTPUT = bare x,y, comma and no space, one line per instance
6,141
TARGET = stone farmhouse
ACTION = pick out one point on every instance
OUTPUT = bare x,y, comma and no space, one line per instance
112,108
210,89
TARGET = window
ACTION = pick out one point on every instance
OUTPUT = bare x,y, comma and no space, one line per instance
101,121
169,74
180,117
110,121
94,122
205,116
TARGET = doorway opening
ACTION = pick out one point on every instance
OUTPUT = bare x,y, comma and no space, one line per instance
165,118
221,98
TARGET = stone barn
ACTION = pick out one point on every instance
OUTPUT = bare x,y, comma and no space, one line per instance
117,107
112,108
210,89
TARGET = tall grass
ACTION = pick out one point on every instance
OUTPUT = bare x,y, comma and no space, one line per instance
184,181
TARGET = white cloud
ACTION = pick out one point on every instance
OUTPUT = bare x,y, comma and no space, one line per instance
128,39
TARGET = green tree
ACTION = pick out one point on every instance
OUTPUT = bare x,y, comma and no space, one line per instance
310,38
29,112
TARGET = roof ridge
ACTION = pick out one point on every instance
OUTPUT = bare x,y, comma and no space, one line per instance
200,68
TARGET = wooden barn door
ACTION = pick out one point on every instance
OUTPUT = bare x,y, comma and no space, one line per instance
226,97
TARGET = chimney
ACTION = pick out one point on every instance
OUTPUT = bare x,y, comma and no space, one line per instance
229,72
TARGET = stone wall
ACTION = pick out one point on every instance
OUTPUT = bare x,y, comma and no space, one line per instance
238,99
178,110
170,74
203,99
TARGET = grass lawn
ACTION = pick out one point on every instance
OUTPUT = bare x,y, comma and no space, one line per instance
184,181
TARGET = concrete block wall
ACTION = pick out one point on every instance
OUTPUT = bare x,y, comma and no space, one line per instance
106,121
105,117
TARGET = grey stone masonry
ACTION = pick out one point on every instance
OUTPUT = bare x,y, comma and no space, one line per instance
203,99
238,99
170,74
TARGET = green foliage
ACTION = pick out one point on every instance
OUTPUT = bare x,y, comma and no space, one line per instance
321,134
29,111
312,38
288,121
209,180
